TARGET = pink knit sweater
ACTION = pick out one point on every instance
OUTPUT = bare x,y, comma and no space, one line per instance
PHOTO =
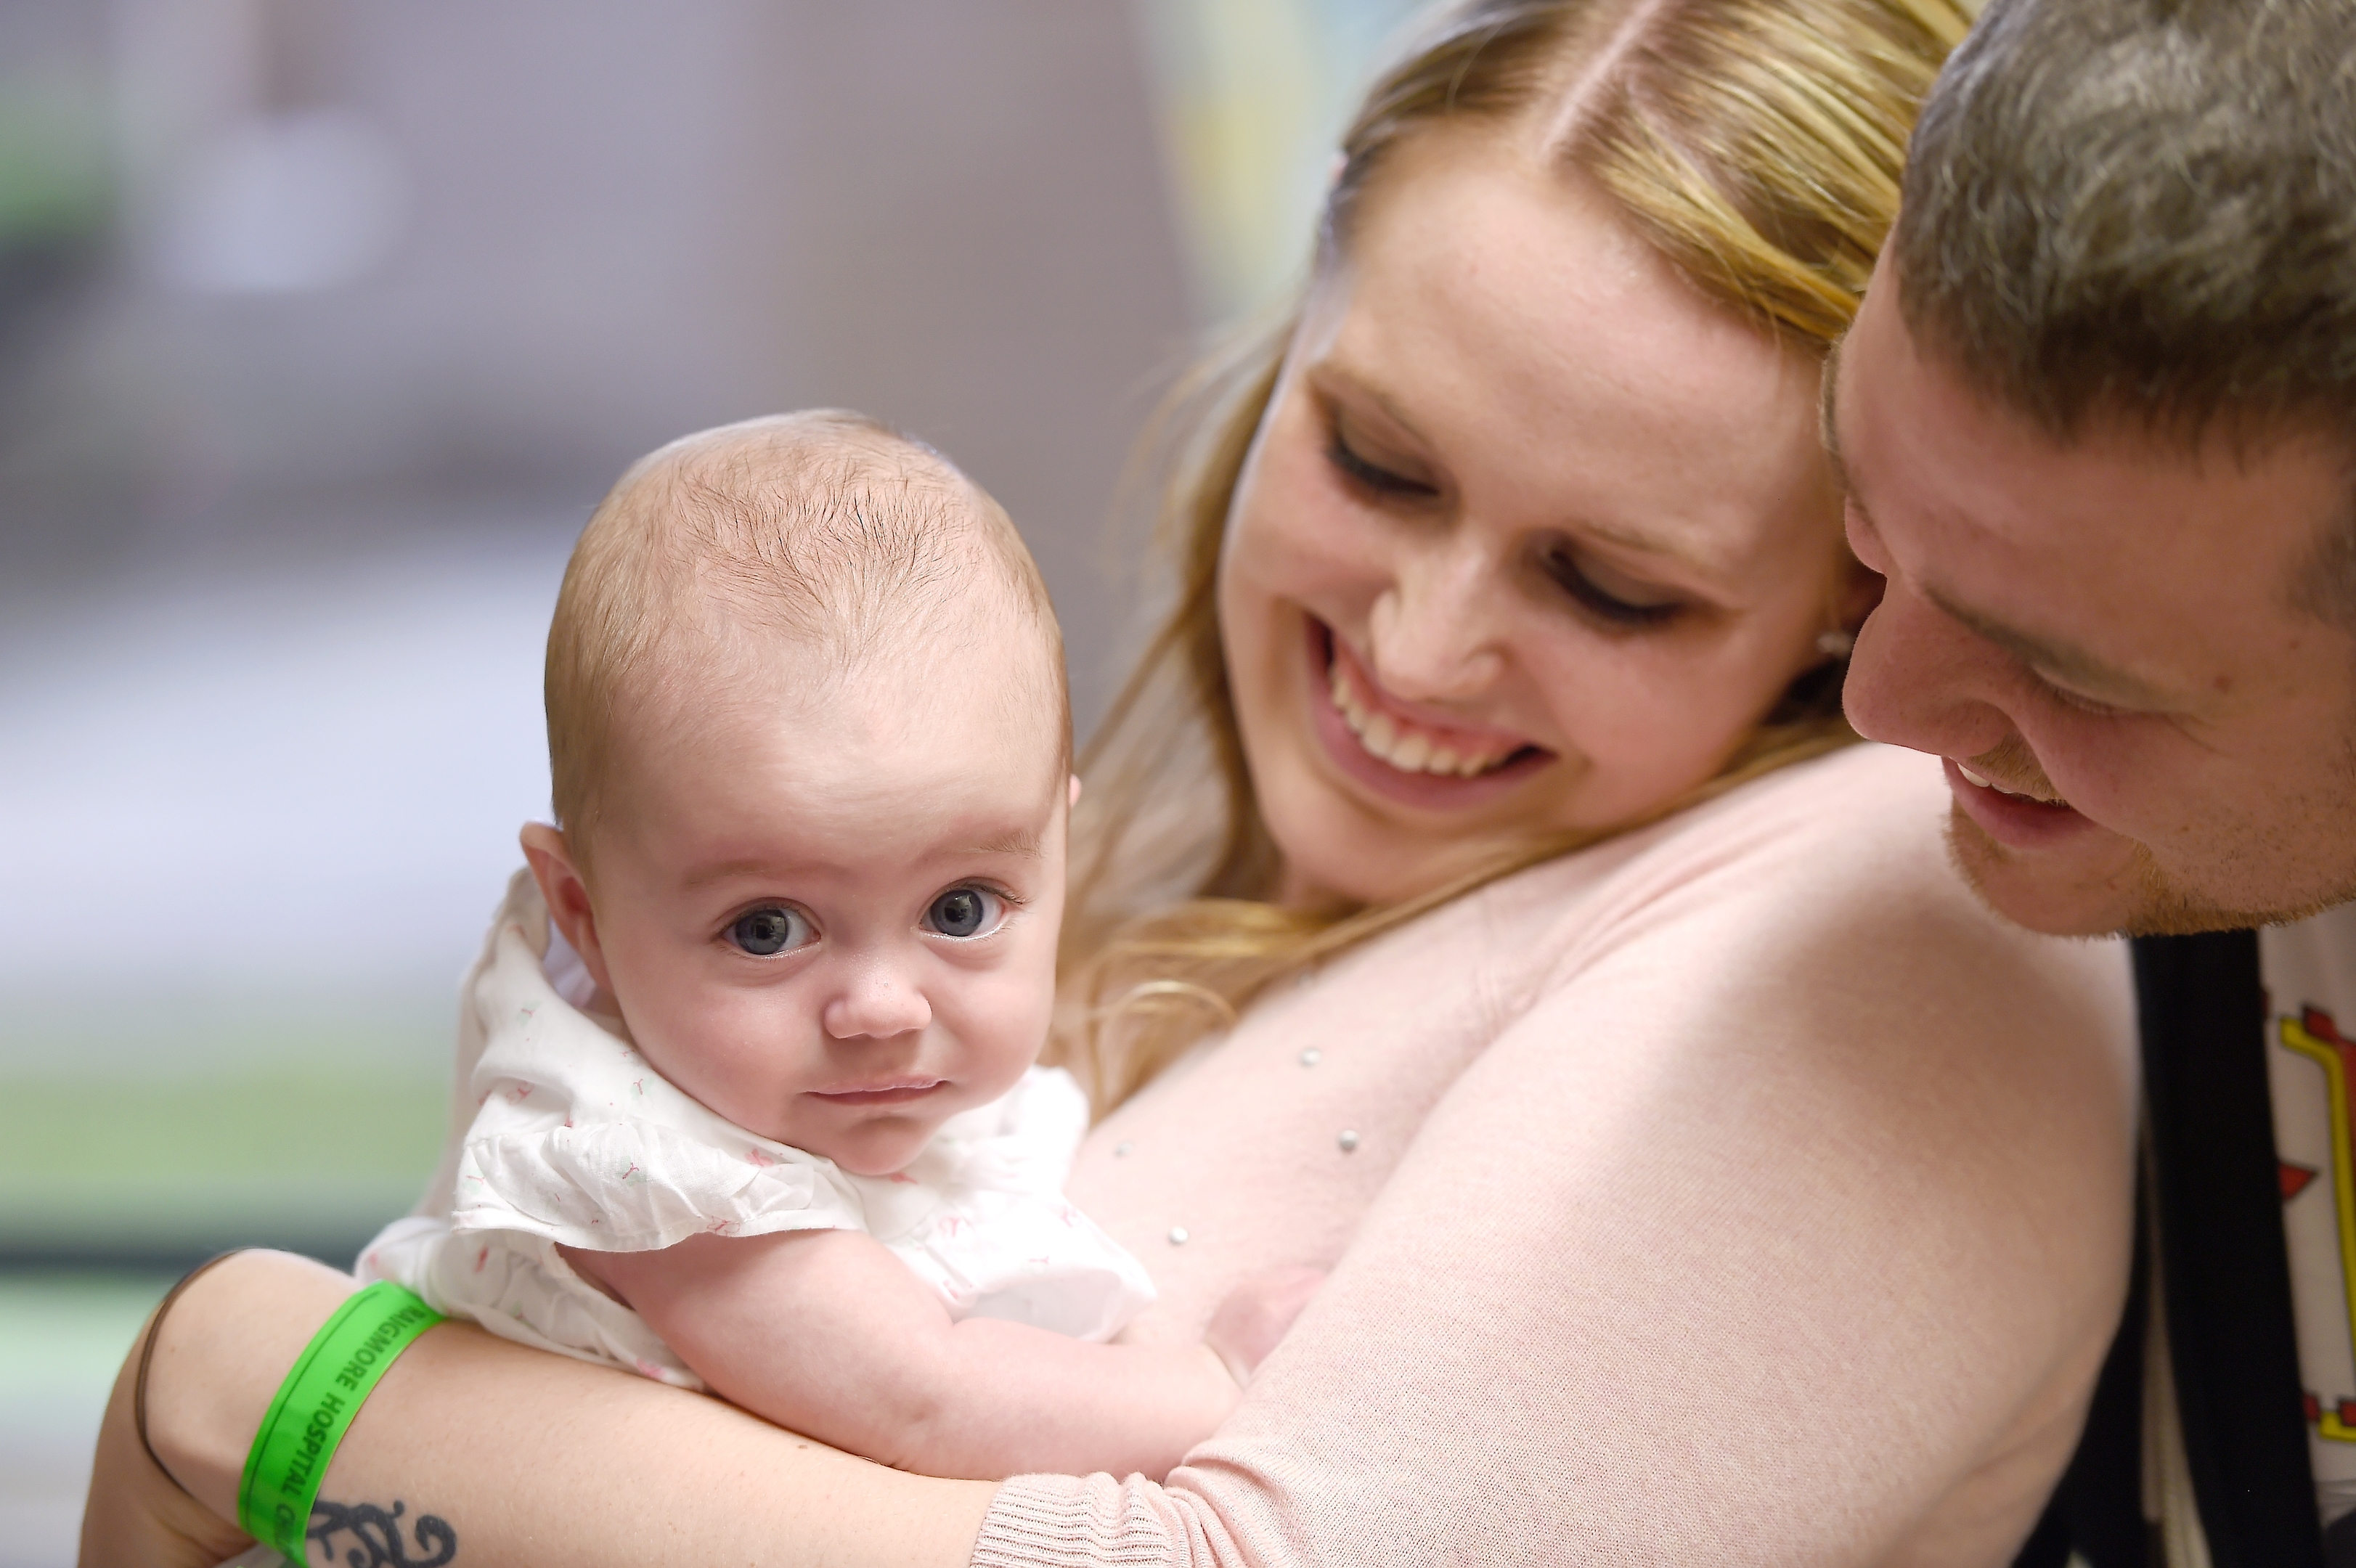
1735,1192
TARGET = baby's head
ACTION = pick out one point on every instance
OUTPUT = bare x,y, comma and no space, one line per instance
810,745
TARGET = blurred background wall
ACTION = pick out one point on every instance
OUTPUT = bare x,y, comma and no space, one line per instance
323,323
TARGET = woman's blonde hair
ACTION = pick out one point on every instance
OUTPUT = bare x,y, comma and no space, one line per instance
1757,144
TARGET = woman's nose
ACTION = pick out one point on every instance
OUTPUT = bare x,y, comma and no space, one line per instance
875,1002
1435,633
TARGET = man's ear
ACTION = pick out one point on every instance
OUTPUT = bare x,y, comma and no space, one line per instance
566,894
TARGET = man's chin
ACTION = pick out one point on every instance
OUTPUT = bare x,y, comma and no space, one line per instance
2103,885
2084,890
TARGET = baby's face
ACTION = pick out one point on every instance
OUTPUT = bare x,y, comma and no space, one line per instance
831,916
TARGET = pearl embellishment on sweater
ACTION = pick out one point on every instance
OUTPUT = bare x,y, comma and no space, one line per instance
1348,1141
1312,1057
1120,1150
1177,1235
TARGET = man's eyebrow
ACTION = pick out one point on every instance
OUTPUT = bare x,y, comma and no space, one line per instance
2073,666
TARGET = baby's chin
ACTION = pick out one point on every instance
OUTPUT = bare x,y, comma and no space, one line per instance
882,1147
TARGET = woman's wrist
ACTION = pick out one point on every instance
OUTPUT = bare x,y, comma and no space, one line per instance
171,1506
219,1357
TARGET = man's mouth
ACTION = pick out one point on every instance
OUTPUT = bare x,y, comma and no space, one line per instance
2021,794
2010,816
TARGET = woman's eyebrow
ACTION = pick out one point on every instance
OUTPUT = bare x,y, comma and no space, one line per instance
1328,371
1637,542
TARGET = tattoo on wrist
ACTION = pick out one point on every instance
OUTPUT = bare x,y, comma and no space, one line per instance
378,1537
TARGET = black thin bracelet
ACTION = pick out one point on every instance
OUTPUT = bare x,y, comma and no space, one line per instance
147,1357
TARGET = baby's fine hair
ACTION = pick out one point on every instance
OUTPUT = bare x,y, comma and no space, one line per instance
824,527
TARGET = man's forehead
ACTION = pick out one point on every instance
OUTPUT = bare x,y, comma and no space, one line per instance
2112,562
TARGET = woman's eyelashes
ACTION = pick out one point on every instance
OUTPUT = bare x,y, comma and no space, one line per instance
1370,474
1604,593
770,930
967,911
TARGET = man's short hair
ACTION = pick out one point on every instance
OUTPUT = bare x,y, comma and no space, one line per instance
2144,208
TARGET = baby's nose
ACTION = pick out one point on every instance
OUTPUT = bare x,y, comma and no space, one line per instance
875,1003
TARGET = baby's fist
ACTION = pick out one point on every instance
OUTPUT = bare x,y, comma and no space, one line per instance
1256,1314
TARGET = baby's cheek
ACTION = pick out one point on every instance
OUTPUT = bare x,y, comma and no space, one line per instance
1005,1026
734,1063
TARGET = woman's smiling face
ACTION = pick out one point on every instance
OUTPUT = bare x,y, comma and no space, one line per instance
1531,537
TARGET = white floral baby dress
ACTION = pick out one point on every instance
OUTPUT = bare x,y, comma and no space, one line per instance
575,1139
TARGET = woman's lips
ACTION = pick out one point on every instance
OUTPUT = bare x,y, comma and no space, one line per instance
2015,820
1399,752
889,1092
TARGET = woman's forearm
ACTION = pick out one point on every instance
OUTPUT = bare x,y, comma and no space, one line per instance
522,1458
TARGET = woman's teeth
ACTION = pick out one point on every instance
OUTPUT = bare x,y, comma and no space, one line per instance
1406,748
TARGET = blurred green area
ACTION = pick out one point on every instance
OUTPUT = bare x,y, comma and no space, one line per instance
56,182
153,1138
62,1336
62,1339
57,179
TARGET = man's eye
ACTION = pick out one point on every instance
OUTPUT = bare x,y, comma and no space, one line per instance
2085,705
764,933
966,911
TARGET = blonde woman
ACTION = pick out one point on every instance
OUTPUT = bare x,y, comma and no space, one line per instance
1477,896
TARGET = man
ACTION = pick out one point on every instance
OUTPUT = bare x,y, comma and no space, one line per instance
2097,420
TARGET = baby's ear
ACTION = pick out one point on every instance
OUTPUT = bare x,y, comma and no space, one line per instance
566,894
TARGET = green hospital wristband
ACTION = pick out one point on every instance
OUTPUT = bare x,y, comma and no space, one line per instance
314,1408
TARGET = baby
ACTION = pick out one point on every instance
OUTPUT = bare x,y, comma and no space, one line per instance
760,1113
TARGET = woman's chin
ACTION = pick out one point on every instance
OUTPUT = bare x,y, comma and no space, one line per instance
1341,850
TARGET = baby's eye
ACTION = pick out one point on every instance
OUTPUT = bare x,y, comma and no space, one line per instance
766,932
966,911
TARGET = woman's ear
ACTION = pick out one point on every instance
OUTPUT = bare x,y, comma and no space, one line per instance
1076,791
566,894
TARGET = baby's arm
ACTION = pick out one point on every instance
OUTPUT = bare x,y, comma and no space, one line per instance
826,1333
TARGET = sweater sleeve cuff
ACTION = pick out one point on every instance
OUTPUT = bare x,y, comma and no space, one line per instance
1072,1522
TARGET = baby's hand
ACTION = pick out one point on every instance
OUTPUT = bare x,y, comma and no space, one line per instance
1256,1314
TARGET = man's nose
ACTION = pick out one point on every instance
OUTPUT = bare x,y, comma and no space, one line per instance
874,1001
1436,632
1919,678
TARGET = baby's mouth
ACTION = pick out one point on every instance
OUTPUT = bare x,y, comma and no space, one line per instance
881,1092
1408,744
